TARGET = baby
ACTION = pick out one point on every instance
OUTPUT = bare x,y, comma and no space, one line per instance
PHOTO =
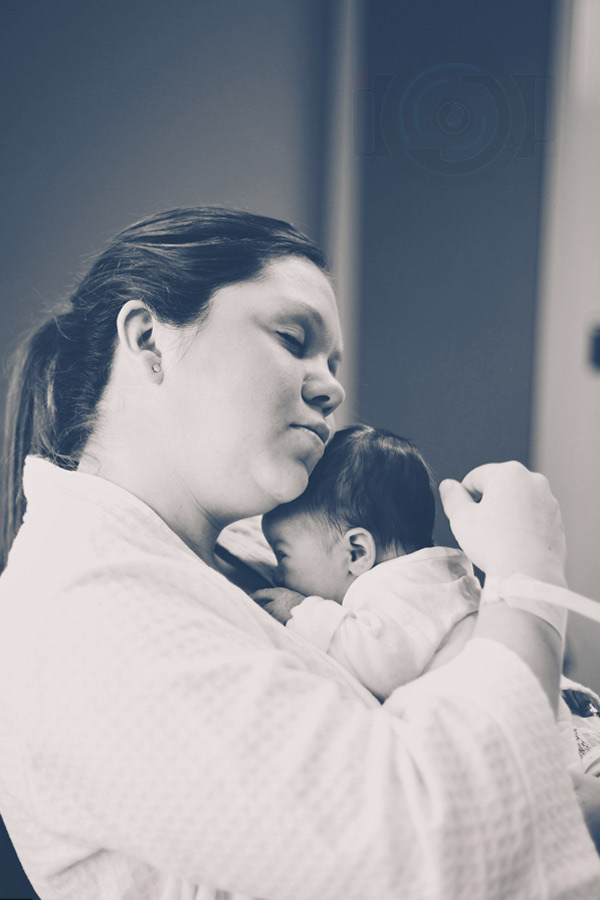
362,580
361,577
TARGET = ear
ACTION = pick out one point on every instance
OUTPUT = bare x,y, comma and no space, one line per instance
362,552
136,328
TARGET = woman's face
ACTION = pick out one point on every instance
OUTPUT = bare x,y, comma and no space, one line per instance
250,396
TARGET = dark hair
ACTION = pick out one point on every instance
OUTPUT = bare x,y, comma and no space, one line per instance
174,262
374,479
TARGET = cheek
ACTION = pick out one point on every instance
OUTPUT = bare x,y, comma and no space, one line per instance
274,380
332,569
259,385
295,572
318,574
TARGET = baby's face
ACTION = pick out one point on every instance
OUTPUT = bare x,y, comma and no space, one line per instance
309,559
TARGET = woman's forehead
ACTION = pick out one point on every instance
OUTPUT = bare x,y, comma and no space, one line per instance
299,277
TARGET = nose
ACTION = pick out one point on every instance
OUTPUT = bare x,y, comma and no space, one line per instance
322,389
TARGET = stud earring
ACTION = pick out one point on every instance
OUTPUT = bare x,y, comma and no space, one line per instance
156,367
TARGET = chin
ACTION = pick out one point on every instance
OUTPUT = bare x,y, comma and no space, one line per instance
290,488
279,482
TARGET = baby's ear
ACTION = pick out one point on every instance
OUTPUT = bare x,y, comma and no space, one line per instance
361,549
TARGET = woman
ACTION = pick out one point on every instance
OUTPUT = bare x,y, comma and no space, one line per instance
162,735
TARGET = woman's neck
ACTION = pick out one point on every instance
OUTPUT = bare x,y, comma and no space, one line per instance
152,480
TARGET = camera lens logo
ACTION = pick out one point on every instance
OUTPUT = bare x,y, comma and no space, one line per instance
453,118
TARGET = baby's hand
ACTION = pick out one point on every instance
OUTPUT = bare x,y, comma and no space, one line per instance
278,601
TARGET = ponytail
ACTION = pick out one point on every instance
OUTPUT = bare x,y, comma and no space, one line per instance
29,405
43,414
174,262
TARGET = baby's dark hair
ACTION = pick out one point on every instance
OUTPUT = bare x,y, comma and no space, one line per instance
373,479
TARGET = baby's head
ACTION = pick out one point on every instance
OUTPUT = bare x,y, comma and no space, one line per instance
368,499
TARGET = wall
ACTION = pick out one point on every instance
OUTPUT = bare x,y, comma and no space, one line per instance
566,428
452,117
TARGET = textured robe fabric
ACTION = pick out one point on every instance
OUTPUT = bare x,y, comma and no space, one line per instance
162,738
394,618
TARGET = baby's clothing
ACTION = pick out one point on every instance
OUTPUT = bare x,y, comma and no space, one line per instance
413,614
395,618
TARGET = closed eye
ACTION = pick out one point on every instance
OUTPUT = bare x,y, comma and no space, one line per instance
293,341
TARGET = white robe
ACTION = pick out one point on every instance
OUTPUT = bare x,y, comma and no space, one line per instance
163,738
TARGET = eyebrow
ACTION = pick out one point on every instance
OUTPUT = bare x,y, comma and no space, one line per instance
299,306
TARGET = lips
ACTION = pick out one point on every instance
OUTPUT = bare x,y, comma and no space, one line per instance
320,429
